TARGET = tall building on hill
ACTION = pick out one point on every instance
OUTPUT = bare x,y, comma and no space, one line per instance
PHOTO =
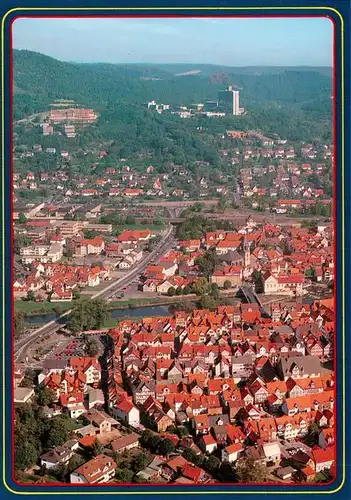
228,101
236,107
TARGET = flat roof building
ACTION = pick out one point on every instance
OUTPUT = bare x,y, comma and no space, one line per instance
228,101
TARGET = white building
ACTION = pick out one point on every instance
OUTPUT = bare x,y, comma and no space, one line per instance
231,453
99,470
127,412
55,457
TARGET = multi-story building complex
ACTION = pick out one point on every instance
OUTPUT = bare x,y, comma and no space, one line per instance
41,253
82,115
228,101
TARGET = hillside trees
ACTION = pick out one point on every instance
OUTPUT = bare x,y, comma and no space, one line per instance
34,433
295,104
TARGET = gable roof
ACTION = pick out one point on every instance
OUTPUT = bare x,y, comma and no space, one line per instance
308,364
125,406
93,470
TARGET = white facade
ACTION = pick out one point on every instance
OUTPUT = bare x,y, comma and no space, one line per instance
93,375
132,417
77,478
236,107
230,456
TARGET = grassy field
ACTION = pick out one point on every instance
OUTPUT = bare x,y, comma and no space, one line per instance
31,308
112,322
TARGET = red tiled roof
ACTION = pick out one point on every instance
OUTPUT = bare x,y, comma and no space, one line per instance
321,456
208,439
95,469
192,472
234,448
125,406
87,441
71,398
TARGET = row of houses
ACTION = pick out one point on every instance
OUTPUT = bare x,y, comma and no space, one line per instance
262,383
126,182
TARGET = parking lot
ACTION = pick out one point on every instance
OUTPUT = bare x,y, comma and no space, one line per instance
67,348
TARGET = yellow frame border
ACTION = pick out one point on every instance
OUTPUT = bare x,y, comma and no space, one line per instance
342,133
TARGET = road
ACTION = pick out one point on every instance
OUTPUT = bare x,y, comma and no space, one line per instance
32,117
21,346
176,207
237,215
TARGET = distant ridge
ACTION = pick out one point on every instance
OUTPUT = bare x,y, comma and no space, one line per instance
184,69
40,80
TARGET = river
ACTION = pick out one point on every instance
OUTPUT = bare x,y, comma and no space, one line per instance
137,312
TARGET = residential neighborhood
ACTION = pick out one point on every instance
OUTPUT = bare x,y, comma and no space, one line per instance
174,266
242,374
222,384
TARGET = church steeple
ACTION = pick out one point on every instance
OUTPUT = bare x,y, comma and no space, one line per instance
247,255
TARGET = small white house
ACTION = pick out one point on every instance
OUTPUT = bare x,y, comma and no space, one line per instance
127,412
208,444
56,456
271,452
231,453
100,469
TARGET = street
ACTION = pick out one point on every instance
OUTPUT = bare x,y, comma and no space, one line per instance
22,345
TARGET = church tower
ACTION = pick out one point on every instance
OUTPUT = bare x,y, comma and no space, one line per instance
247,256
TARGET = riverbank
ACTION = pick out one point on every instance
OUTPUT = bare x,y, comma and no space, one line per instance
37,308
116,315
40,308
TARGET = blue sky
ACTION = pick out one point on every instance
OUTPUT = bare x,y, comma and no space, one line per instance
232,42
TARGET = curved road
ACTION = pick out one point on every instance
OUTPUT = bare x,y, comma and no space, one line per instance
21,346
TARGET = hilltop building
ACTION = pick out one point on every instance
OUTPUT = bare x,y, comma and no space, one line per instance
228,101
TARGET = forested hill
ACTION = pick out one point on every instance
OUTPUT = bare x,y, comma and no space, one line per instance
209,69
39,80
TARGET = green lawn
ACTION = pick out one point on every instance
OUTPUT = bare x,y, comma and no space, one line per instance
29,308
23,477
73,424
113,322
32,308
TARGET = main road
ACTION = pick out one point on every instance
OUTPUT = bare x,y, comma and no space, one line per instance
166,243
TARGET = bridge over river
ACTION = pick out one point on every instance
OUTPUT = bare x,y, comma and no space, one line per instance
251,297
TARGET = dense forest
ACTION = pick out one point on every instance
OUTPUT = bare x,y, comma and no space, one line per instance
102,83
210,69
295,104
